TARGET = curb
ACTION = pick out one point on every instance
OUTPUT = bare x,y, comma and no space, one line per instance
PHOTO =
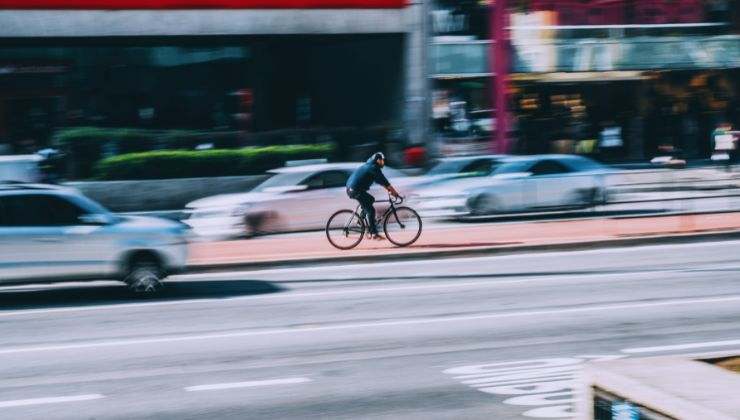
488,251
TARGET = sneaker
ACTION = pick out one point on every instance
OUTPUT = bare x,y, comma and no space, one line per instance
378,237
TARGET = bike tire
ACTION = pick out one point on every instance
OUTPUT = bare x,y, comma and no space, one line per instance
336,227
413,221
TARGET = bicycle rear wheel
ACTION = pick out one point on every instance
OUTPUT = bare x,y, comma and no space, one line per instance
345,229
402,228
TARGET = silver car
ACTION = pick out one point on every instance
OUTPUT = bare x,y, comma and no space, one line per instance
521,184
51,234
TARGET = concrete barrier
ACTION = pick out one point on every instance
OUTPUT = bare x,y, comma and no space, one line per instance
173,194
162,194
672,387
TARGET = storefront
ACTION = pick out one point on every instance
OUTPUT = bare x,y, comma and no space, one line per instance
659,77
460,77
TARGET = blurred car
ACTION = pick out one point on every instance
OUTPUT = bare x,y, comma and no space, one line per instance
294,198
520,184
50,234
459,167
20,168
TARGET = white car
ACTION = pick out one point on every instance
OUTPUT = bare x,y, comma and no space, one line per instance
520,184
296,198
54,234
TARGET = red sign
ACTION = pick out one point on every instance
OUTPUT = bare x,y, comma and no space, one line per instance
201,4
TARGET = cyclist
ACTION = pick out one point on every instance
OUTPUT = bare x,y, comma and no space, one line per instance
359,183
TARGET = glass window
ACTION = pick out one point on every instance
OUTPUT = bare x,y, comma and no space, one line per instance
335,179
38,210
513,167
479,166
330,179
548,167
447,167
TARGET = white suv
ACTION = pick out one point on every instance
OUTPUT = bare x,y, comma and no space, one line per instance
50,234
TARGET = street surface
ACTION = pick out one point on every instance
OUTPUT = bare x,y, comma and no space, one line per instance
467,338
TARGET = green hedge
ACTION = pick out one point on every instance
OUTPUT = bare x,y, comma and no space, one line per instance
136,138
217,162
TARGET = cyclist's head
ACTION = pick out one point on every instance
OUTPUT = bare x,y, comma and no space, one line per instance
379,159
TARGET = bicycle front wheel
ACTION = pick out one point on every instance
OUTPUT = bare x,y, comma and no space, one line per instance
345,229
402,227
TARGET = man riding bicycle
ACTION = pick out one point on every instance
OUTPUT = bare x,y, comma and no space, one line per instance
359,183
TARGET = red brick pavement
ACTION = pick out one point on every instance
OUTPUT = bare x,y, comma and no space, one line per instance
311,246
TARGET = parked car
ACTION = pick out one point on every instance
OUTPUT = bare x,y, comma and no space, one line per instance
293,199
50,234
521,184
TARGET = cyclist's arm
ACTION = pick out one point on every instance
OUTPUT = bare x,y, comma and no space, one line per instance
382,180
392,191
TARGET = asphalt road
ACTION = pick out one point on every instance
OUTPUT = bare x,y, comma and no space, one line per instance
442,339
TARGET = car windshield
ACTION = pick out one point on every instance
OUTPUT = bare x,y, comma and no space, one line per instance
282,180
513,167
91,206
448,167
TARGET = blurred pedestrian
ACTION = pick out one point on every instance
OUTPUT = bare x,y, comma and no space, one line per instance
724,145
610,141
415,156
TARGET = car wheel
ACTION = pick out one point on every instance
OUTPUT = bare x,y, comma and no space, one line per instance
261,224
483,205
144,277
596,197
602,197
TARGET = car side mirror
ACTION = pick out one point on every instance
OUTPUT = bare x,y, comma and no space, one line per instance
95,219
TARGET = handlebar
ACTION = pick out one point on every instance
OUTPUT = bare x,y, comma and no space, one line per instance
396,200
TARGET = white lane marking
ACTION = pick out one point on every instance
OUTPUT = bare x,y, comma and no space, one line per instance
543,387
571,278
250,384
374,324
50,400
688,346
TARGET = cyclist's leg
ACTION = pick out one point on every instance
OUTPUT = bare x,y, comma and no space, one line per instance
366,201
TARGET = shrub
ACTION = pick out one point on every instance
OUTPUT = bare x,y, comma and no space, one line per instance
217,162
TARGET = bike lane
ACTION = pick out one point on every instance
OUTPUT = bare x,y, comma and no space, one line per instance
448,239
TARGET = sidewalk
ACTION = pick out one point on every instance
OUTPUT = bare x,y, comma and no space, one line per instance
463,239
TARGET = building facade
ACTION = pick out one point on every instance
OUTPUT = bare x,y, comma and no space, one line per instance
304,70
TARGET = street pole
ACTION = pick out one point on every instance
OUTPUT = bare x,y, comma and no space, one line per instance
499,64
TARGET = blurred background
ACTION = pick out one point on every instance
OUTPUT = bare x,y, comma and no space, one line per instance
95,91
376,75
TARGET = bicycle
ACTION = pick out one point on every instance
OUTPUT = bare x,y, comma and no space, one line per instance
402,225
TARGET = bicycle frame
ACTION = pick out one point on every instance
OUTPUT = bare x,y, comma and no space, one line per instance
386,213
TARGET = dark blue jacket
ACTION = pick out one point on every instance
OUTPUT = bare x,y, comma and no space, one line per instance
364,176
